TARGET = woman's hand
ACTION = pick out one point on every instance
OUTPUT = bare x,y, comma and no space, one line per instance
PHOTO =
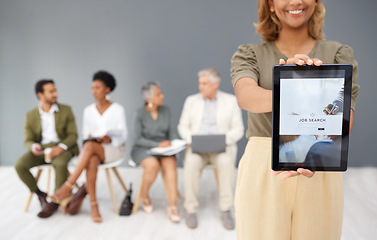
301,59
165,143
104,139
288,174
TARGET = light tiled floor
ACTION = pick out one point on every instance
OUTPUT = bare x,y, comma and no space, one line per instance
360,213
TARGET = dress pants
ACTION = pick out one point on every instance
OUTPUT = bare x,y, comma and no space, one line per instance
193,166
270,208
29,160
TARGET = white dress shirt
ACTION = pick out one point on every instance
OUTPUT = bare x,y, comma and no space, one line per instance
49,134
228,117
209,123
112,122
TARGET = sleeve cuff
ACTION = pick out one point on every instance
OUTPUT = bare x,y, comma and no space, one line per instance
62,145
32,146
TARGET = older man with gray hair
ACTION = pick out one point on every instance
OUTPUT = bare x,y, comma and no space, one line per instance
210,112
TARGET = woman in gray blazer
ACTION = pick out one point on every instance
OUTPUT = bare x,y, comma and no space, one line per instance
153,128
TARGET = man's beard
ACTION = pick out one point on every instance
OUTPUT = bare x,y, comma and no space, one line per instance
52,101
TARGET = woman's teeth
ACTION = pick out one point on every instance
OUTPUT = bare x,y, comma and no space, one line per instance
295,11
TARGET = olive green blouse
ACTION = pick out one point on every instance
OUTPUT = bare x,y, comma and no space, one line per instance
257,60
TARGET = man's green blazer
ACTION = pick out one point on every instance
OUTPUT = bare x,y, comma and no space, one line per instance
64,124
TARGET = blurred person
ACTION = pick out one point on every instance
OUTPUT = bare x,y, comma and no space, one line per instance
104,133
153,127
50,137
210,111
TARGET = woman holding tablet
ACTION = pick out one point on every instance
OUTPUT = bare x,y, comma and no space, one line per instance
301,204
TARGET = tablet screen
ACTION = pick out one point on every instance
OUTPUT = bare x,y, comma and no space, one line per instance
312,106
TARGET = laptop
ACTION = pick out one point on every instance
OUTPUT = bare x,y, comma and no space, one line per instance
214,143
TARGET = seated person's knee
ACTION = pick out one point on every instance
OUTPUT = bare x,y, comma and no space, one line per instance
88,146
19,166
152,166
193,163
59,164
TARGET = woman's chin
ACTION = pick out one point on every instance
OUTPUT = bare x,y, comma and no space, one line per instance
98,99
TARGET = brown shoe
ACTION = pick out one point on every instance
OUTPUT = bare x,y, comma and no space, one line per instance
48,210
74,206
43,199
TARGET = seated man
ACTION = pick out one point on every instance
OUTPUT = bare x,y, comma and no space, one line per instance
50,125
210,112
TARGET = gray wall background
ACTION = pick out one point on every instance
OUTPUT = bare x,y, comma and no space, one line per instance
144,40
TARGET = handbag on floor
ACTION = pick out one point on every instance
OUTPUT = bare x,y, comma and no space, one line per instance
126,207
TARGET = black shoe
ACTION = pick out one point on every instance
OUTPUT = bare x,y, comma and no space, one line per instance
48,210
43,199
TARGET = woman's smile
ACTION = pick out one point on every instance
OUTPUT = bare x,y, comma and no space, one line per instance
295,12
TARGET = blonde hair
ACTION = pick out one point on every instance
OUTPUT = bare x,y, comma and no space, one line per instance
269,25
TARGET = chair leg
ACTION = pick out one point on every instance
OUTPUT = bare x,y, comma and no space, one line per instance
31,194
216,172
138,197
48,180
120,179
113,197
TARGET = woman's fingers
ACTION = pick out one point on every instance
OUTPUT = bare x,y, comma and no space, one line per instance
286,174
304,58
289,174
317,61
305,172
301,59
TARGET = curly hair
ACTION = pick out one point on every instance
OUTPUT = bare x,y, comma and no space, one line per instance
269,25
106,78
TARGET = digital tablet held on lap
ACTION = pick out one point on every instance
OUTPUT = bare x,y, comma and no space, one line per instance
311,114
92,139
214,143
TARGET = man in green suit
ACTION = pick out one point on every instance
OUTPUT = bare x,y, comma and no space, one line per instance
50,136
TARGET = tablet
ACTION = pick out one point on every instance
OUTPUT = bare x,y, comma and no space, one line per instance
310,115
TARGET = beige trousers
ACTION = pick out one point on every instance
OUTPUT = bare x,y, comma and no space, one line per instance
299,208
193,166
